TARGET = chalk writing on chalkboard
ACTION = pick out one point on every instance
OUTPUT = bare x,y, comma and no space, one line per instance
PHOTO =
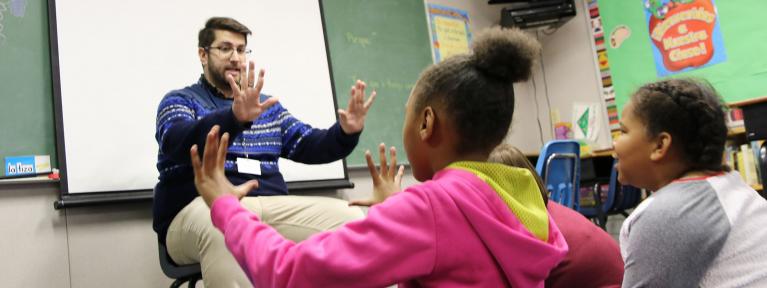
18,8
386,84
3,8
362,41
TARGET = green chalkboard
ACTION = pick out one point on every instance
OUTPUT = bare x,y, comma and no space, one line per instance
26,101
742,76
386,44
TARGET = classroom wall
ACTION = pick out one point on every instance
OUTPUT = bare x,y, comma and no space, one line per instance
525,133
571,73
114,245
33,237
566,74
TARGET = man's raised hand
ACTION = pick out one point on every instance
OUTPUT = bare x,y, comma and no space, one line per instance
352,119
247,104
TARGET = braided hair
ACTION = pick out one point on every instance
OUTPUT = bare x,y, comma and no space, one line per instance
692,112
476,89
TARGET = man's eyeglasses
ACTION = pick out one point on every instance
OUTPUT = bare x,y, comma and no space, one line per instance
226,51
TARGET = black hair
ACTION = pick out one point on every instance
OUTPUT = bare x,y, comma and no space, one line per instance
692,112
476,89
207,35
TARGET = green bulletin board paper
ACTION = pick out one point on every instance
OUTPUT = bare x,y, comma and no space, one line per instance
742,76
26,101
386,44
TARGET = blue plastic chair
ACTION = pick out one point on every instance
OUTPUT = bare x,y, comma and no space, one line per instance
559,166
600,211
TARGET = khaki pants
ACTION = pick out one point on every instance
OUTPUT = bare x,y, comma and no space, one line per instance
192,238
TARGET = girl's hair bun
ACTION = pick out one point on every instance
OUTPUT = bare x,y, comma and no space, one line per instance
506,54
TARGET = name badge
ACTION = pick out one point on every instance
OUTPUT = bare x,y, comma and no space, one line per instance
248,166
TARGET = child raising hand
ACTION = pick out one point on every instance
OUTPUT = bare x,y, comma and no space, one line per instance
470,224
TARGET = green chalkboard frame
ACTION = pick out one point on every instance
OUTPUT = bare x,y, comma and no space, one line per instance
26,105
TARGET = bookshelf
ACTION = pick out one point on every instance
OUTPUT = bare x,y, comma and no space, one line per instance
736,131
744,147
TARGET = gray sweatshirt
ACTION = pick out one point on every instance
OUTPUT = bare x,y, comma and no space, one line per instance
702,232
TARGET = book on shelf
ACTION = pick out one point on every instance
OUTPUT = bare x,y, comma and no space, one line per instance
735,118
756,149
745,159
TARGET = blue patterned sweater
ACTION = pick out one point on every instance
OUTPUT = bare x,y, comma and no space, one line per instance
185,116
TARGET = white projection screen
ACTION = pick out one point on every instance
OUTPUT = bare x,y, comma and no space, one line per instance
113,61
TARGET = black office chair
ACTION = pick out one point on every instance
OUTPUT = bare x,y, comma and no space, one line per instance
182,273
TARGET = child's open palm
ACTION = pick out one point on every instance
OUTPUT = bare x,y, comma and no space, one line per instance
387,180
209,175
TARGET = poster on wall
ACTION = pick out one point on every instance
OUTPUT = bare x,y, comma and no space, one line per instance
685,35
449,31
586,122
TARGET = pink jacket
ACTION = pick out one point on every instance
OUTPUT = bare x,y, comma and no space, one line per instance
449,232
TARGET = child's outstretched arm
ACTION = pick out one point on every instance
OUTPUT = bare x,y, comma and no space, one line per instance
394,243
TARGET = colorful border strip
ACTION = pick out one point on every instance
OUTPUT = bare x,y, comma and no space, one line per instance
608,92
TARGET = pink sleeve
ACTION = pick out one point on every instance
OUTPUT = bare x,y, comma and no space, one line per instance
395,242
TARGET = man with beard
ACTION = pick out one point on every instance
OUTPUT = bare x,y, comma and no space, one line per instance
229,96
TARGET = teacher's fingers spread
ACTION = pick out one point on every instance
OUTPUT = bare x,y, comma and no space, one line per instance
268,103
260,81
370,100
235,88
251,74
243,77
352,95
360,92
343,115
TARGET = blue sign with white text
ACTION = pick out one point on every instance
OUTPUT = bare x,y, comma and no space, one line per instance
19,165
